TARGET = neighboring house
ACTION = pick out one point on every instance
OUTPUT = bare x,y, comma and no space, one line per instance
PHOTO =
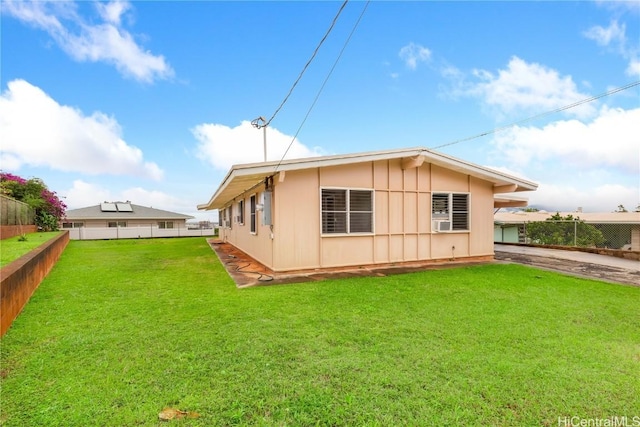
377,208
621,230
124,218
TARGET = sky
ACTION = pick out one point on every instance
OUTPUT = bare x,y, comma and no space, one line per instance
152,101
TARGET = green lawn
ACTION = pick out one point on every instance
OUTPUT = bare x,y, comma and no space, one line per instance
121,329
13,248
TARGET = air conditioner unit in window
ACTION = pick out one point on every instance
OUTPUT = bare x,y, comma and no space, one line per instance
440,225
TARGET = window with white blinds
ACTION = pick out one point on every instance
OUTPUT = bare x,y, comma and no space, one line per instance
450,211
346,211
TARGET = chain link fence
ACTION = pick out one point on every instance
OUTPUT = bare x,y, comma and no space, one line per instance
570,233
13,212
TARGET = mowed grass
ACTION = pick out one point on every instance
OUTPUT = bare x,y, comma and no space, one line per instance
120,330
13,248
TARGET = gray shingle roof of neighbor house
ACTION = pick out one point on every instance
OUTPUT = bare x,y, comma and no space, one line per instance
245,176
119,210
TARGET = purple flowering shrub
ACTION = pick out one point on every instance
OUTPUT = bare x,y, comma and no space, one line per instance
48,207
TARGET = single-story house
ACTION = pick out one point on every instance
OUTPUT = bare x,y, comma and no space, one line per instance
366,209
123,216
620,230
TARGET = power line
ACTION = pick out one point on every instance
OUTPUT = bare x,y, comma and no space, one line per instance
308,63
537,116
335,63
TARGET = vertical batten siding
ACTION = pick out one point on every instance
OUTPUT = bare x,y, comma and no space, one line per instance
297,243
405,202
481,218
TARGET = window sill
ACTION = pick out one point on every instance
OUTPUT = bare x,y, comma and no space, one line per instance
347,234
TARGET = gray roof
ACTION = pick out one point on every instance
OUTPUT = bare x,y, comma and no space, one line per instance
137,212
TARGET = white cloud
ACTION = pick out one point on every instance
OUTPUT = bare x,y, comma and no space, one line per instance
38,131
107,41
594,165
112,44
40,14
223,146
605,36
614,37
112,12
413,53
600,198
9,161
526,87
84,194
620,5
634,67
612,140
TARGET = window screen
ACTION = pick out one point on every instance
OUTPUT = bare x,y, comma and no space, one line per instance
347,211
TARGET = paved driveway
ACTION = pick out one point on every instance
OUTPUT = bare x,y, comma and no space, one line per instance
583,264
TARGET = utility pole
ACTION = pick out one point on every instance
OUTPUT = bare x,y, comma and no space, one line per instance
261,123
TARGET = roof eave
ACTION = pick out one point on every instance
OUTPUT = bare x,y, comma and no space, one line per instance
265,169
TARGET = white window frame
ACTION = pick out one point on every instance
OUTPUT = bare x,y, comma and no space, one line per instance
241,212
348,212
165,224
447,214
118,224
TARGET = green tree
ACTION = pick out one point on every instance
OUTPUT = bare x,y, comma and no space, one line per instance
564,231
48,207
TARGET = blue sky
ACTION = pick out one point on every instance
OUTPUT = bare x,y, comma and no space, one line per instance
152,101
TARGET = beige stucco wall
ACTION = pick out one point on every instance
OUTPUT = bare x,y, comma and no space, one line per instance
402,218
